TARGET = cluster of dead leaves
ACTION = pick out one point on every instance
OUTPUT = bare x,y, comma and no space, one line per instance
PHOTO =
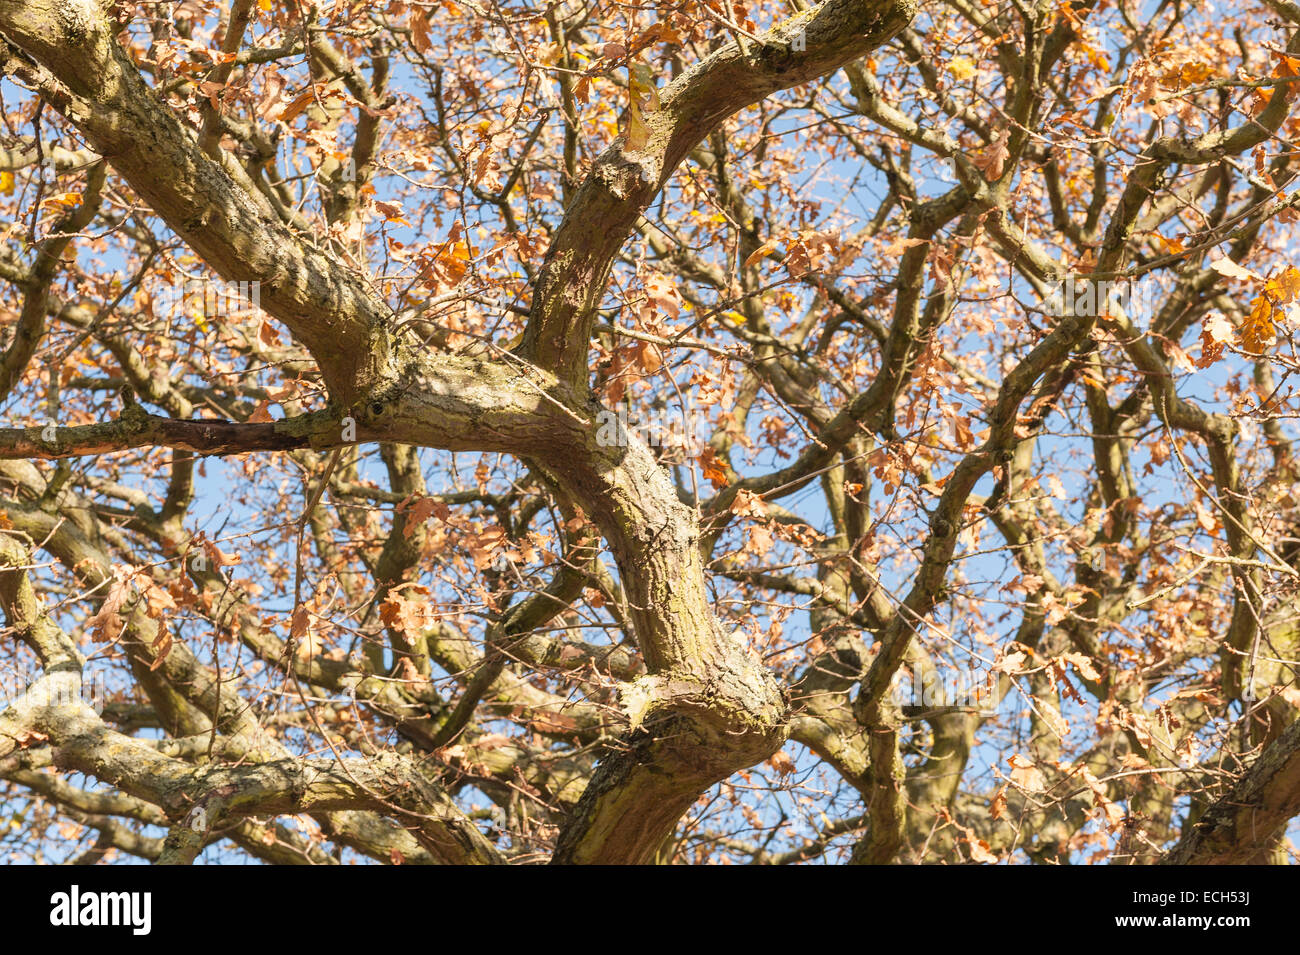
160,602
1267,309
808,250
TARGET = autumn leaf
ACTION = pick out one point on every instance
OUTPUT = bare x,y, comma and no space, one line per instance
962,68
980,852
714,469
162,647
644,98
399,613
218,556
1215,333
272,101
662,298
392,212
1233,270
1011,663
1284,286
1287,66
1083,665
295,106
646,356
299,623
902,244
27,738
106,624
748,504
66,199
157,601
781,762
993,160
483,547
1026,775
267,335
1185,75
1172,246
809,249
762,252
210,90
998,804
418,511
421,37
1257,329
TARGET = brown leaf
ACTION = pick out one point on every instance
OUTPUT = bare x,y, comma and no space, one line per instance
419,511
162,646
748,504
403,613
762,252
994,159
998,805
1026,775
1230,269
421,37
219,557
483,547
781,762
106,624
300,623
295,106
157,600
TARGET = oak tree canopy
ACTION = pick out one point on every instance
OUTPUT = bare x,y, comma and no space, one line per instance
501,431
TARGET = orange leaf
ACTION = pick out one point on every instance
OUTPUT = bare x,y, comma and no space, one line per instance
715,470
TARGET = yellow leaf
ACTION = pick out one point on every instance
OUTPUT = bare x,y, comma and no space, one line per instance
1257,329
961,68
1285,285
638,133
644,96
7,183
68,199
641,83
